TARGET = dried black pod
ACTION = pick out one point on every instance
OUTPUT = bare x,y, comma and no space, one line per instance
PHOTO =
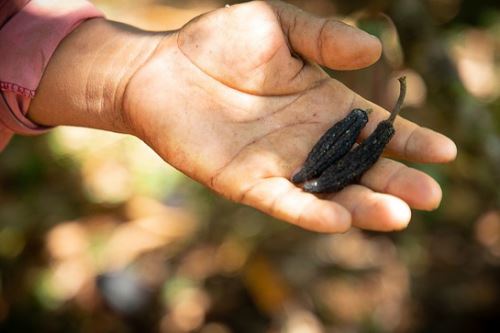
351,166
334,144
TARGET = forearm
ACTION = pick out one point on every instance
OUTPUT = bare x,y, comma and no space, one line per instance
88,74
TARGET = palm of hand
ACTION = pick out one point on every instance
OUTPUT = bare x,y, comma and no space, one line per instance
247,110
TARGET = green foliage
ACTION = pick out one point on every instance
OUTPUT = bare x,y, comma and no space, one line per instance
111,239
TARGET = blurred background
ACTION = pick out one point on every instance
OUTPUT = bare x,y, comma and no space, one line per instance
97,234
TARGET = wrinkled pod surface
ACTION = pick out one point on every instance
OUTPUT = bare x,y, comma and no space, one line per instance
356,162
335,143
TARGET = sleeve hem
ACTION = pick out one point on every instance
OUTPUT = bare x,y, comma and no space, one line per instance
28,40
17,89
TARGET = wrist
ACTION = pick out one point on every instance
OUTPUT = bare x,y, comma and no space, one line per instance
86,78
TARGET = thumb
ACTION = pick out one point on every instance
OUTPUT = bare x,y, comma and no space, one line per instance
326,41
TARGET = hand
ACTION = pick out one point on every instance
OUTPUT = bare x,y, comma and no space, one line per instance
230,101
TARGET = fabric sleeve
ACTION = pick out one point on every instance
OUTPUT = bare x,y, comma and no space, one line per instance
30,32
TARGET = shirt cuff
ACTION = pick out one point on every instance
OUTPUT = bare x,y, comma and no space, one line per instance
27,41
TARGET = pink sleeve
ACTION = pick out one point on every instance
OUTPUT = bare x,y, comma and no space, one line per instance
30,31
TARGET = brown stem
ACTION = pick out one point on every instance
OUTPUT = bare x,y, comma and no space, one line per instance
399,103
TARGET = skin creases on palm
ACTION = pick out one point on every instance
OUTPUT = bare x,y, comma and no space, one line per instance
244,110
269,93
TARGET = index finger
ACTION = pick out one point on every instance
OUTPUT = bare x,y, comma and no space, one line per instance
411,141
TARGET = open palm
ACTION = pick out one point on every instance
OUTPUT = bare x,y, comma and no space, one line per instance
240,101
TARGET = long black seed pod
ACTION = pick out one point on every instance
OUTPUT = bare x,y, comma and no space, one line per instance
351,167
334,144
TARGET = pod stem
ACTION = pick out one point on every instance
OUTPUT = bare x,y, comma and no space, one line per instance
399,103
